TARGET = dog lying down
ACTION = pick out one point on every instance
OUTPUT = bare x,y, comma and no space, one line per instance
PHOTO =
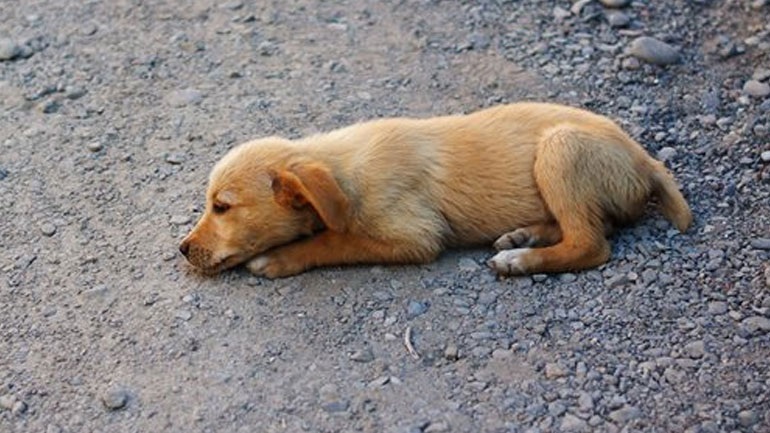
545,183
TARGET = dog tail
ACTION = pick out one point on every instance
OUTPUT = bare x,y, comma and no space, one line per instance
672,203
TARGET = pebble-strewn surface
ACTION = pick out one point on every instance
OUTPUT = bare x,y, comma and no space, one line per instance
112,113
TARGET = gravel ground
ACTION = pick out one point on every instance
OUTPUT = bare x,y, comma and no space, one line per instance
114,111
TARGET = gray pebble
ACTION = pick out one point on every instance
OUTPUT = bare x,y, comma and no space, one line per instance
74,92
539,278
451,352
560,14
115,398
625,414
48,229
481,352
618,19
8,49
695,349
567,277
756,88
416,308
95,146
53,428
765,156
756,324
554,371
761,243
175,158
717,308
179,220
3,173
571,423
183,314
614,3
654,51
19,408
363,355
336,406
7,401
556,408
436,427
585,402
233,5
666,154
466,264
747,418
180,98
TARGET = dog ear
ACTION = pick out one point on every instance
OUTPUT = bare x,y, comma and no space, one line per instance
312,184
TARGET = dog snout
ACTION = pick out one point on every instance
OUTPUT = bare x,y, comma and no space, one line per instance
184,247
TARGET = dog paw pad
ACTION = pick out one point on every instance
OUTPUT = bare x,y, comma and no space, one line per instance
258,265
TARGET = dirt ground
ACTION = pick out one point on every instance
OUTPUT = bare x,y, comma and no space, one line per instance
112,113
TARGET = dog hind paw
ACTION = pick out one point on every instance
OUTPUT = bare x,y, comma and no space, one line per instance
509,262
515,239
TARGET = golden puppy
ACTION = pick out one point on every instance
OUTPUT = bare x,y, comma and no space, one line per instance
548,182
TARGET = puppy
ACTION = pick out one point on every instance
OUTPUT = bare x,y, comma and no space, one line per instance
546,183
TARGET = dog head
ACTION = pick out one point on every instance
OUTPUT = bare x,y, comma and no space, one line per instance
263,194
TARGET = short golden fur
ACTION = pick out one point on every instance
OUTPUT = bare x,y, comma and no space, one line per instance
546,183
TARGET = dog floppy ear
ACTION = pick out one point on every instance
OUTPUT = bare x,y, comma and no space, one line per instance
312,184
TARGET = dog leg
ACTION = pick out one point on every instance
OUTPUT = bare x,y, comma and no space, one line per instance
575,174
334,248
539,235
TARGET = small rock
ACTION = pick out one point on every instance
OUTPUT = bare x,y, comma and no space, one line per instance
74,92
747,418
336,406
232,5
625,414
175,158
560,14
50,106
571,423
761,243
695,349
654,51
764,156
183,314
48,229
3,173
416,308
630,64
95,146
180,98
567,277
556,408
451,352
717,308
554,371
8,49
615,3
585,402
436,427
179,220
756,324
756,88
618,19
7,401
115,398
666,154
19,408
363,355
761,74
466,264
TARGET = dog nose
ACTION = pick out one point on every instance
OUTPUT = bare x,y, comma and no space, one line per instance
184,248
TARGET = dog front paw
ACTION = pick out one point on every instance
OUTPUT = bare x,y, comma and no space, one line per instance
270,266
510,262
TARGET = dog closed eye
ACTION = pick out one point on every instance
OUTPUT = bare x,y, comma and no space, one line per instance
220,208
